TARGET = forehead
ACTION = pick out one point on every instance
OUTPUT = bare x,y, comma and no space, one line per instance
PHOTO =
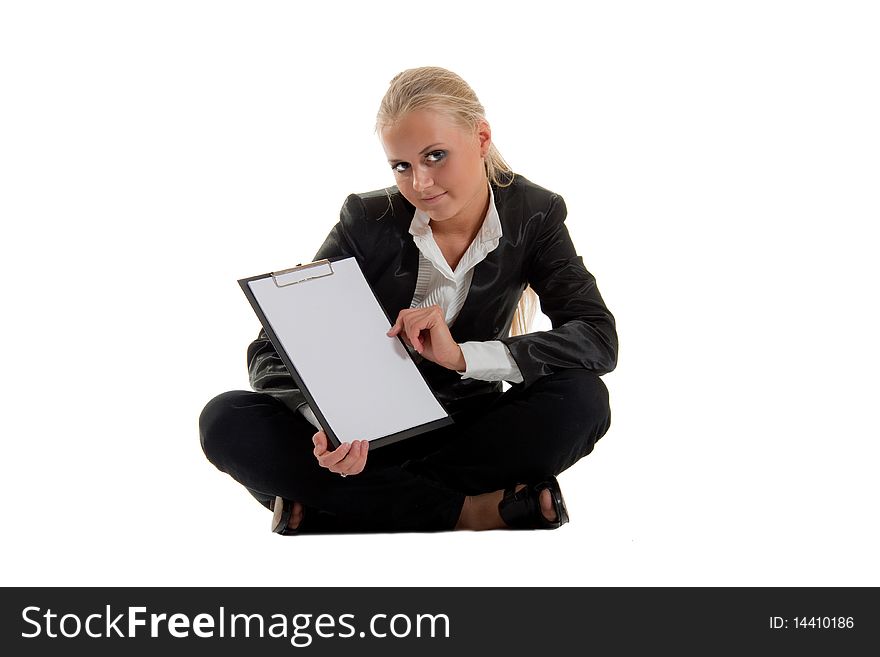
419,129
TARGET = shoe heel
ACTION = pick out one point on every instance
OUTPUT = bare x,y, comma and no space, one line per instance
281,511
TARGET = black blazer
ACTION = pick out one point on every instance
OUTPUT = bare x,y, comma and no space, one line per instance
535,249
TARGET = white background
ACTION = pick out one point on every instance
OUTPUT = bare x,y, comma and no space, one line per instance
720,166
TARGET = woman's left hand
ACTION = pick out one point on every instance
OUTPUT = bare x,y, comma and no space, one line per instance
426,331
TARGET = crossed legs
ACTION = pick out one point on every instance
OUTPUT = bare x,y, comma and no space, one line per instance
420,484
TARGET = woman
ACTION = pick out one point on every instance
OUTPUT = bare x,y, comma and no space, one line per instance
449,252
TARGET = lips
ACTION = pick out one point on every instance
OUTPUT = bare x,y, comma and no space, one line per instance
428,199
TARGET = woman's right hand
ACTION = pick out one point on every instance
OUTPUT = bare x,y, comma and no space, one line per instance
347,459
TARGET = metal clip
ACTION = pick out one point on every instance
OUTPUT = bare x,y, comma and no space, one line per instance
289,273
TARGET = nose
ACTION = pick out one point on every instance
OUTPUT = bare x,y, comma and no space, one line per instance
421,178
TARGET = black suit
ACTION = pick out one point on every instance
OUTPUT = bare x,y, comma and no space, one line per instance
538,427
535,249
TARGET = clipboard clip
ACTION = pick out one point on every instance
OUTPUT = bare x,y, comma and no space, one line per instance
302,273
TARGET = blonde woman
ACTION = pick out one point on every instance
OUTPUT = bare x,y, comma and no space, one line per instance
456,251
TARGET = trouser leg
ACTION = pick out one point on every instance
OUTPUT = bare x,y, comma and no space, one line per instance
266,447
525,434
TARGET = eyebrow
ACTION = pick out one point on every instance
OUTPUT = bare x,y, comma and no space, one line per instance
422,152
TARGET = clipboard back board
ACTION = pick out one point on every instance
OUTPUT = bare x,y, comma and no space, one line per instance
329,329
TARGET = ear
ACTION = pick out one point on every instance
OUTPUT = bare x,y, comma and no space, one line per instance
484,134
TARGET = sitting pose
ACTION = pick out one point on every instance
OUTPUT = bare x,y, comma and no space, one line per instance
456,252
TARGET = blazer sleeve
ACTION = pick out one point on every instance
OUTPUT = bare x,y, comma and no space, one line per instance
266,371
583,331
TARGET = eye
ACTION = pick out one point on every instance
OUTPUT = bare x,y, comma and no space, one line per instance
400,167
435,156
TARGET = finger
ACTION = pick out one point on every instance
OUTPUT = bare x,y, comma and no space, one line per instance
398,323
418,345
413,326
403,335
362,456
361,459
353,463
344,466
356,460
330,459
320,441
365,449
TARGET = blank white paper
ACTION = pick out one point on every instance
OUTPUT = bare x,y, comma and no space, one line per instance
333,329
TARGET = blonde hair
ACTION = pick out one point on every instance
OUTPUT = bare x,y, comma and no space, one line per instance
441,90
435,88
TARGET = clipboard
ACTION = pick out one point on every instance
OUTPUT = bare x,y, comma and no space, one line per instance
329,329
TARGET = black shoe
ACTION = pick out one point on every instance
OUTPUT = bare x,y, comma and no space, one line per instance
281,511
522,509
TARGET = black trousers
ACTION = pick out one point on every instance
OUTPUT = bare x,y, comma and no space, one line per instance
418,484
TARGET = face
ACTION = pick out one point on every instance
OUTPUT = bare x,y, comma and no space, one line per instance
438,165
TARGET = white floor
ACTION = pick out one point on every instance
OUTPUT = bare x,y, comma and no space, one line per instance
707,502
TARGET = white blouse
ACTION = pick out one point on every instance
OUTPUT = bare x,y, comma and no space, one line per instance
438,284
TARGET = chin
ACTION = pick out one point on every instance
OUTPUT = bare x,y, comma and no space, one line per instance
440,216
